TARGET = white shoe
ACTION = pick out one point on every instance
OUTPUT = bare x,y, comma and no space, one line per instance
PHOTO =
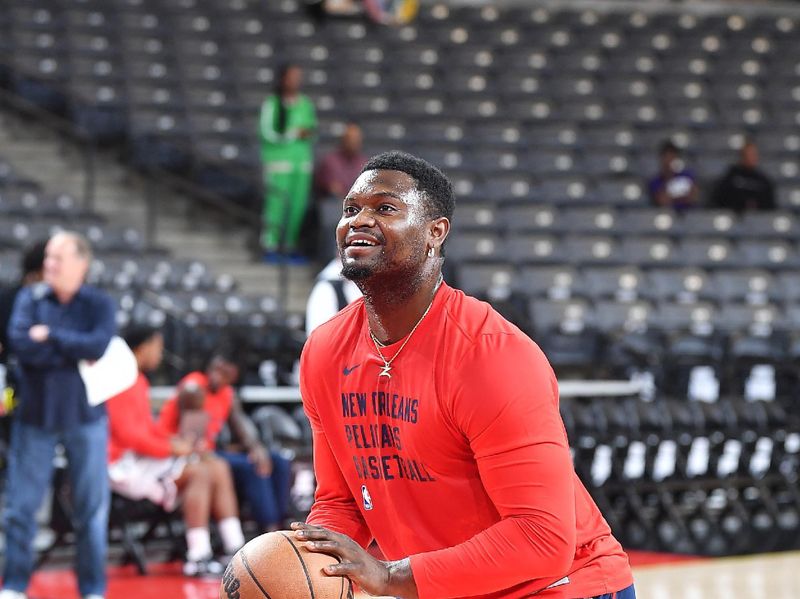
208,567
9,594
89,597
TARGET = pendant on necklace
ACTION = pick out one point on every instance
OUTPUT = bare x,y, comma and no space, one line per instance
385,371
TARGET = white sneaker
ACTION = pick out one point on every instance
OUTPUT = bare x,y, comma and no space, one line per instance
9,594
89,597
208,567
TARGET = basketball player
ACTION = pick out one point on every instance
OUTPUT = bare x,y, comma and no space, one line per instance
436,423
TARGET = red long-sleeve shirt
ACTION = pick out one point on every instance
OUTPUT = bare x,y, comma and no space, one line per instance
131,426
459,461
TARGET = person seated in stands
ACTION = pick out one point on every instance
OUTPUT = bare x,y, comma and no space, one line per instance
674,186
170,471
261,476
745,186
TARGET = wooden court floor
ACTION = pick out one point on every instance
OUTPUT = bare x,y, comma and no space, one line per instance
773,576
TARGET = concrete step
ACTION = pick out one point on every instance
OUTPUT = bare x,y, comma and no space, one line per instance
120,195
225,240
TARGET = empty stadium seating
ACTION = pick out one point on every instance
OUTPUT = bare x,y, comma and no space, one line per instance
198,309
704,479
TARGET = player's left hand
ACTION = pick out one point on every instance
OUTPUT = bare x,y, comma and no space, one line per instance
372,575
260,458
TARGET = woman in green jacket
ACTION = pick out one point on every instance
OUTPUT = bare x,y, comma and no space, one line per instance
287,125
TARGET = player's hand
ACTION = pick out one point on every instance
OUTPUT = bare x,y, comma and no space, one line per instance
374,576
39,333
260,458
180,447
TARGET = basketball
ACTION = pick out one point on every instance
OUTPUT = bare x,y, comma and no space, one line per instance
277,566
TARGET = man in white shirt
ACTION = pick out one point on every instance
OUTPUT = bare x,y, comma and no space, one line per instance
330,293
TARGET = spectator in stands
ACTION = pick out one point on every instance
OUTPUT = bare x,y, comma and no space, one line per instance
674,186
331,293
260,475
744,186
147,463
32,265
339,168
286,127
333,176
55,324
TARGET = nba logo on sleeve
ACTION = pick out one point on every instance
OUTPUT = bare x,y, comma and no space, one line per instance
367,499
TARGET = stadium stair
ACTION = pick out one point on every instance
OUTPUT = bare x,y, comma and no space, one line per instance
183,228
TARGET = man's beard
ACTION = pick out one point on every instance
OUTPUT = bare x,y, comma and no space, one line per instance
356,272
396,283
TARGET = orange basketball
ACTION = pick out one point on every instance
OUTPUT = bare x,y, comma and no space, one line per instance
276,566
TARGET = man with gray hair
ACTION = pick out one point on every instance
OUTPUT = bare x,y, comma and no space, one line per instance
53,326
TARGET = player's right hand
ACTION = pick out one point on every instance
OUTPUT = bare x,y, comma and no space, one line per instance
180,447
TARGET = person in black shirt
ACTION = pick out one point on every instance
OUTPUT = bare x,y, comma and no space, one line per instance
744,187
32,265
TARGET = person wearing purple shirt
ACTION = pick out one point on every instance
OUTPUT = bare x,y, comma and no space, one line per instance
335,173
675,185
338,170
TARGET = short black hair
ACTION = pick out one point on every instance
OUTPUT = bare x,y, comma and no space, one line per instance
224,352
668,146
430,181
33,258
280,74
139,334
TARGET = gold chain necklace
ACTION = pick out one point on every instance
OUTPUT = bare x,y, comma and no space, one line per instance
387,364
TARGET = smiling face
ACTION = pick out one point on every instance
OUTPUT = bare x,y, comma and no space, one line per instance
384,227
